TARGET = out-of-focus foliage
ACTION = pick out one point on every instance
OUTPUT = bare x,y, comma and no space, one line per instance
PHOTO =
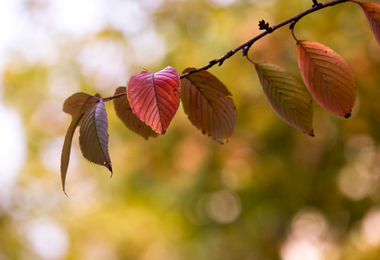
271,192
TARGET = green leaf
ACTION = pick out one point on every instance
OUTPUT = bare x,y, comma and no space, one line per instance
93,138
126,115
65,156
209,105
287,95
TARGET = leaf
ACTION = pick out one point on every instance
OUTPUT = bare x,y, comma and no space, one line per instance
124,112
327,76
154,97
372,12
79,103
93,138
65,156
287,95
209,105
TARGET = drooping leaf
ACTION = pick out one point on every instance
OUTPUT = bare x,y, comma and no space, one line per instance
93,138
78,103
124,112
209,105
287,95
327,76
154,97
372,12
65,156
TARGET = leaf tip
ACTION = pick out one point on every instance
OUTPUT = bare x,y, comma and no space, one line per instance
64,191
347,115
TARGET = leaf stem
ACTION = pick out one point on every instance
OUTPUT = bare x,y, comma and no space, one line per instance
251,61
245,46
294,36
113,97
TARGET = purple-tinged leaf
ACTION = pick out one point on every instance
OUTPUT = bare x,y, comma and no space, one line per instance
93,138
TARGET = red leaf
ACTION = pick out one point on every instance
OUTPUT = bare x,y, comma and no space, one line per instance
209,105
372,12
65,157
93,138
327,76
154,97
124,112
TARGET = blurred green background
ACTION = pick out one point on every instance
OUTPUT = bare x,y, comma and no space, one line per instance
271,192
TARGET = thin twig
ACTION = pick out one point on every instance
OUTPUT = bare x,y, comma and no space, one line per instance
112,97
245,46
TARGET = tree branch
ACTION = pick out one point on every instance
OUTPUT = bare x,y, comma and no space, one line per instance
245,46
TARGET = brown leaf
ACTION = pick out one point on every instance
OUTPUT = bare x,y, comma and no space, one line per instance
209,105
79,103
66,150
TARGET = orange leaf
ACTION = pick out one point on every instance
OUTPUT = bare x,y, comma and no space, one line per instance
327,76
372,12
154,97
209,105
124,112
287,95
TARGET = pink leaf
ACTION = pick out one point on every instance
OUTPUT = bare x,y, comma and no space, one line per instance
124,112
154,97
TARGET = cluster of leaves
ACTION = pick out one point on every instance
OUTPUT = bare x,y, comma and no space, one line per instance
150,100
